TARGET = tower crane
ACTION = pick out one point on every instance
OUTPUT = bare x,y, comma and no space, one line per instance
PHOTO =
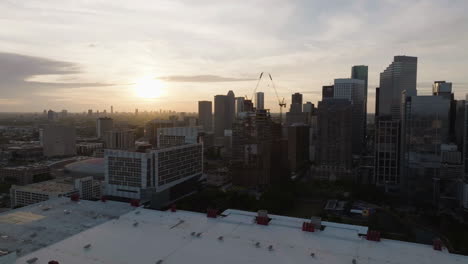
281,102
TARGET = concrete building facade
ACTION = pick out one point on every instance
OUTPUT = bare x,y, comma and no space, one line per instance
58,140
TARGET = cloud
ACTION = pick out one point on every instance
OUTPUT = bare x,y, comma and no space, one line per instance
25,75
202,78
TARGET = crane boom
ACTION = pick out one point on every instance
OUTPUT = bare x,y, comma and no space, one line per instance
281,103
256,86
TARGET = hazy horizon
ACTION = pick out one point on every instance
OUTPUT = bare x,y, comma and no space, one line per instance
170,54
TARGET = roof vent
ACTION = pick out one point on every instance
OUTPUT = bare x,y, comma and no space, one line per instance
312,254
257,244
220,238
32,260
137,212
270,247
53,262
135,224
159,261
199,234
87,246
193,234
354,261
262,217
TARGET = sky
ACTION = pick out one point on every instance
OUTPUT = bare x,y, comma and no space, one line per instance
168,54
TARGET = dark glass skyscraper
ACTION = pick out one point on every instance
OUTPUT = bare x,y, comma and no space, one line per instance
225,112
399,76
205,115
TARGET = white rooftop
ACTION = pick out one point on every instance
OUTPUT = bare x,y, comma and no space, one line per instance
39,225
148,236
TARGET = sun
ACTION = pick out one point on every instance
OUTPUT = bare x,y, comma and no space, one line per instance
149,88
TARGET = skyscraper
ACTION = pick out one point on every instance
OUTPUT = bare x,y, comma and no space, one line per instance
230,109
260,101
219,114
103,124
225,112
119,139
205,115
296,103
425,128
112,109
327,91
442,88
353,90
295,114
308,107
240,101
361,72
334,154
399,76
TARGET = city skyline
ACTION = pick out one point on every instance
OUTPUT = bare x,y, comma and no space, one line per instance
191,52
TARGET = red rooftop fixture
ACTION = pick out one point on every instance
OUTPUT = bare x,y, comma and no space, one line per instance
308,227
135,202
75,197
211,213
173,208
262,217
437,244
103,199
373,235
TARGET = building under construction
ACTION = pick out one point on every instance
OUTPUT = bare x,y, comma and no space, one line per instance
259,156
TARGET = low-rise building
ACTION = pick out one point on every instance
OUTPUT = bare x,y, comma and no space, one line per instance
23,175
86,188
88,148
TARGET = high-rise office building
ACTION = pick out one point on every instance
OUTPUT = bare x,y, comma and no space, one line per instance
51,115
225,112
112,109
327,91
248,106
361,72
230,109
151,128
240,103
119,139
205,115
256,150
298,147
442,88
334,130
308,108
295,114
425,127
103,124
58,140
399,76
353,90
220,102
296,103
260,100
